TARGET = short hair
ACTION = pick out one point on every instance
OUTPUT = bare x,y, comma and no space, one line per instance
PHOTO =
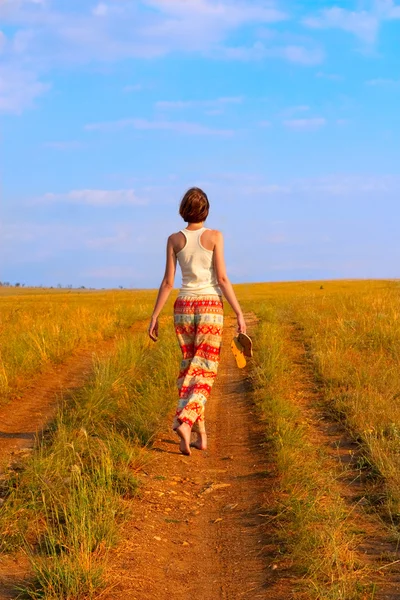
194,206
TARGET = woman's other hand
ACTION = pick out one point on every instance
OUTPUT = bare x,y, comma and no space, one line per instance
241,324
153,329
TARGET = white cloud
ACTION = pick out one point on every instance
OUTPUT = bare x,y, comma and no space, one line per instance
183,127
330,185
305,124
276,238
330,76
2,41
48,35
302,55
293,110
96,197
296,54
64,145
362,23
181,104
388,9
101,10
229,14
46,235
136,87
117,30
349,184
18,89
265,189
116,272
119,241
383,82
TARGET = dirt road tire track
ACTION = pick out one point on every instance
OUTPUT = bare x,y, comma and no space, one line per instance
24,419
378,548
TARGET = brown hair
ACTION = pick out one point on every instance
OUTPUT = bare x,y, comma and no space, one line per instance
194,206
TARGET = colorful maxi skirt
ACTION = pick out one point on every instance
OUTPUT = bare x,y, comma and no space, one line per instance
198,326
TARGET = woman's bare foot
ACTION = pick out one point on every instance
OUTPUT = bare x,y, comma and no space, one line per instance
201,442
184,431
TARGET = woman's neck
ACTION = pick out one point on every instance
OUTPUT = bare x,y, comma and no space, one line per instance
194,226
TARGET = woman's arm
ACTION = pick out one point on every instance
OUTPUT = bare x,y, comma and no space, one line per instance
224,283
165,289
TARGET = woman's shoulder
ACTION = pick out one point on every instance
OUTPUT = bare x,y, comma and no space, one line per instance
215,234
175,236
177,241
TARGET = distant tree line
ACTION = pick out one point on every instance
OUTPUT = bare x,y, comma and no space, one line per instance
8,284
51,287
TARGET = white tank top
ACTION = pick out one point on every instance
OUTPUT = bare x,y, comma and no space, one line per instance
196,262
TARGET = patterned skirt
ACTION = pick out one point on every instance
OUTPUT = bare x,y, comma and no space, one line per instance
198,326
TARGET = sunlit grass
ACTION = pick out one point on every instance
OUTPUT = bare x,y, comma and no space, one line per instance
38,328
313,524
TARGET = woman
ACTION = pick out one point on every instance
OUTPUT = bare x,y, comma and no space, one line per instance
198,312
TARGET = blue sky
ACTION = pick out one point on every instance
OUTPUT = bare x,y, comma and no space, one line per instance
286,113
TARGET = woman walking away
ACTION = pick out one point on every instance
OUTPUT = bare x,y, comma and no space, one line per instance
198,313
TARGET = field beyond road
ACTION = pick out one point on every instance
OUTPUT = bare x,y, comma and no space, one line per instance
297,497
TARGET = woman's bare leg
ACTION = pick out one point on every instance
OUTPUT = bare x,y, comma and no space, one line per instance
201,442
184,431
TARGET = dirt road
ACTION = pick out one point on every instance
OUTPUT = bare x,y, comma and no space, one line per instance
200,527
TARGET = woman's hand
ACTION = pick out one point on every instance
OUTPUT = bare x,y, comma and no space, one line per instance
153,329
241,323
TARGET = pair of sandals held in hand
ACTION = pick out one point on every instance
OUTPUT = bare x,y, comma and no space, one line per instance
242,347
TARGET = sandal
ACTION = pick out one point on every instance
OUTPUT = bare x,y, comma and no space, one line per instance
238,353
247,344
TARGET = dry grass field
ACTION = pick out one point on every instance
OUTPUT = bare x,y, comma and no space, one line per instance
324,386
39,326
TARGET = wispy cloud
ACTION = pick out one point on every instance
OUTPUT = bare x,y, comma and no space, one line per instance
112,31
302,55
121,240
182,127
116,272
96,197
383,82
135,87
296,54
2,41
293,110
227,13
18,89
181,104
305,124
268,189
329,76
330,185
349,184
364,24
64,145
